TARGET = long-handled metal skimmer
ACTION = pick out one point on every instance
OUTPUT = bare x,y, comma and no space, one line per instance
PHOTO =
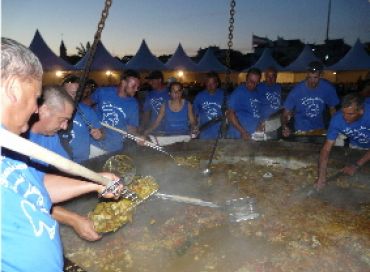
139,140
222,118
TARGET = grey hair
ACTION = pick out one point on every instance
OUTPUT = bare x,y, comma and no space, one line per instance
353,100
17,60
55,97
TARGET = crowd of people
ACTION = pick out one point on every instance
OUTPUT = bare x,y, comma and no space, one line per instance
31,189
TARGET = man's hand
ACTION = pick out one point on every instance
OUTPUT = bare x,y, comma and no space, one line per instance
350,169
319,184
85,228
245,136
117,192
96,133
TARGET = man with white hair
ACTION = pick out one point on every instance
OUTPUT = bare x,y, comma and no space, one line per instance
29,235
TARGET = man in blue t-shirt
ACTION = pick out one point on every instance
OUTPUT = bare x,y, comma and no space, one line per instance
30,239
85,126
353,121
154,100
244,108
208,106
117,107
53,116
269,94
307,102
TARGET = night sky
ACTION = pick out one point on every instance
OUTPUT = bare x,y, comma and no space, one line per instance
194,23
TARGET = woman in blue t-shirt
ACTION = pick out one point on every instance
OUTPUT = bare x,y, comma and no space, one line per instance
177,114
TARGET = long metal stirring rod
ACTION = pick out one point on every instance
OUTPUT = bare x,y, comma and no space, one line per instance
207,171
139,139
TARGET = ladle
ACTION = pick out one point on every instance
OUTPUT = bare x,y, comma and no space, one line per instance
238,209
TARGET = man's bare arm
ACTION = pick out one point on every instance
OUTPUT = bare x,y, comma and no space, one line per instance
231,116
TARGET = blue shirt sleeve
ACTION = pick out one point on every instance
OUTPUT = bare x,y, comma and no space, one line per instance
95,95
233,100
289,103
134,116
93,118
147,106
332,97
334,128
196,104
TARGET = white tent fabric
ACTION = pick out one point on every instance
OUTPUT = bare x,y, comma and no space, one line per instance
300,64
144,60
266,60
49,60
181,61
355,59
103,60
209,62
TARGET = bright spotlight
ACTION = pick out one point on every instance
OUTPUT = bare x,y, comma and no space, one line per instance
59,73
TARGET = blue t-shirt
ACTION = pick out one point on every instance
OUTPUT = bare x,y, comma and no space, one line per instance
309,104
270,98
30,238
176,123
153,102
367,100
358,132
208,107
116,111
246,105
80,137
51,143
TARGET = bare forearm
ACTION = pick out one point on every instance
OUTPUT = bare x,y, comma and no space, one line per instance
157,121
235,122
285,117
324,158
62,188
364,159
191,116
146,118
64,216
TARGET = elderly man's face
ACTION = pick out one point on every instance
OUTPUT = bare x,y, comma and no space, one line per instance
252,81
352,113
26,94
54,120
313,79
132,86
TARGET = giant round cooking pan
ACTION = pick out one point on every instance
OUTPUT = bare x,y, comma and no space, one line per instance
324,231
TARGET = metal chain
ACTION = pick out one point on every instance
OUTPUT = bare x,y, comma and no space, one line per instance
65,140
92,50
230,41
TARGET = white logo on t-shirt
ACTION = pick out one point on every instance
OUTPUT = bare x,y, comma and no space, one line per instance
312,106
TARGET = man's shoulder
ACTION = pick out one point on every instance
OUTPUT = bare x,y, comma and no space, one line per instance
299,86
239,89
201,94
366,114
105,90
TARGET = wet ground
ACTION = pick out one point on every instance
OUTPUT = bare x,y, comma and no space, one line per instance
326,231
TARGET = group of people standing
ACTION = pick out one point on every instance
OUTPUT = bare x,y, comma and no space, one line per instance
30,189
